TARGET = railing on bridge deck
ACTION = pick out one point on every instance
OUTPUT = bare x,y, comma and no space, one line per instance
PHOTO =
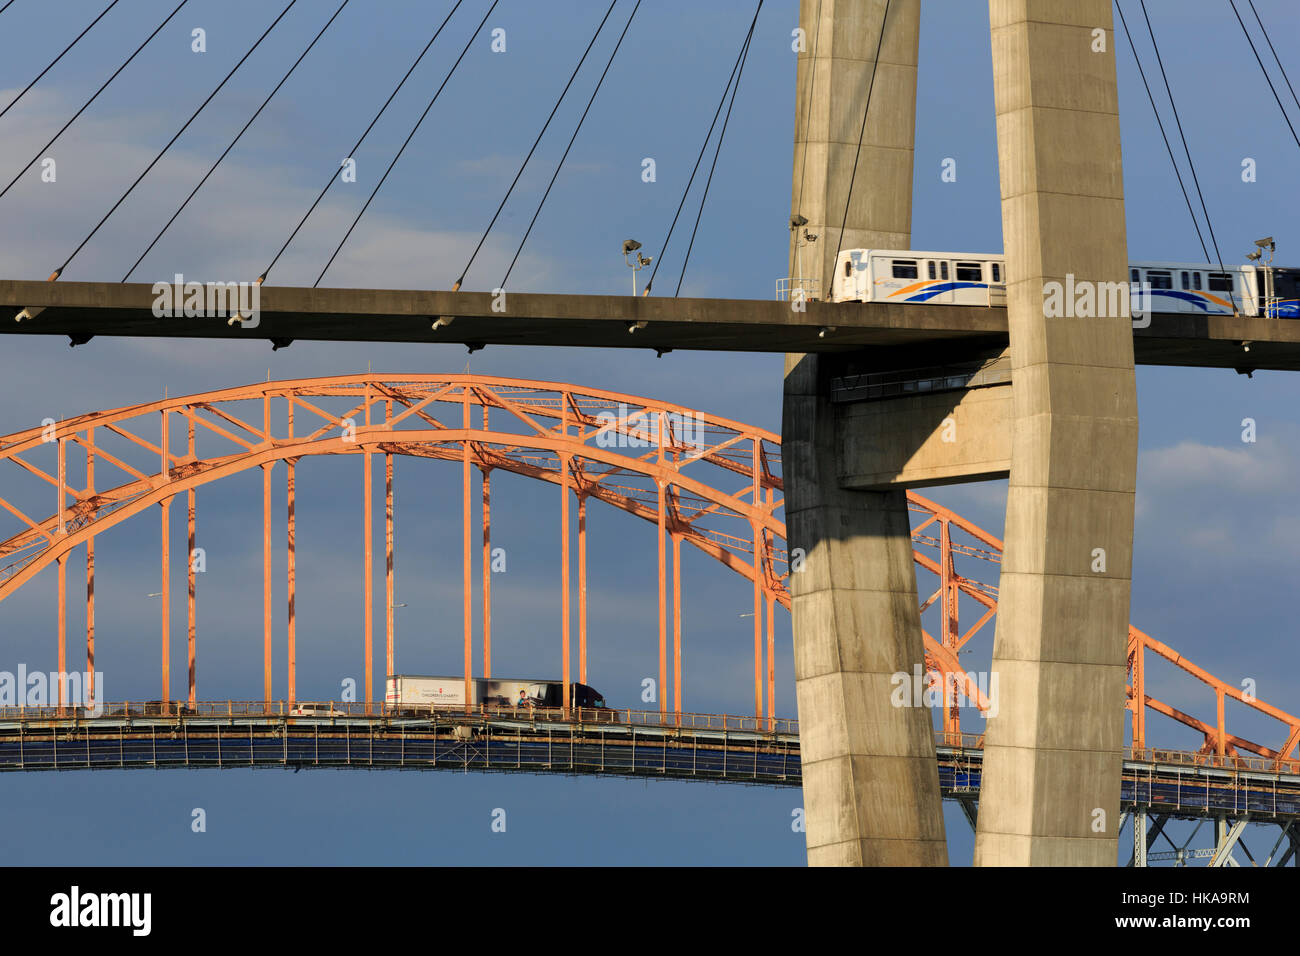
335,709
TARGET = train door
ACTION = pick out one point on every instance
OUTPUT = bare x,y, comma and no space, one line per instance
997,283
896,278
1225,288
1163,297
938,274
971,287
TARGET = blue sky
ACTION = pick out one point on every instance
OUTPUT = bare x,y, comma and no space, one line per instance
1215,538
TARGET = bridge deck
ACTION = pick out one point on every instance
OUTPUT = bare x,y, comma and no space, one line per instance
618,743
81,309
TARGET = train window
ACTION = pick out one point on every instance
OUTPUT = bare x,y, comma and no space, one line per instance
997,273
930,269
1220,282
1196,280
848,268
1186,279
969,272
1160,278
1133,277
904,268
943,270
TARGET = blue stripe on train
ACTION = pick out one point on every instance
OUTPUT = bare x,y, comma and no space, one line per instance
1201,303
945,287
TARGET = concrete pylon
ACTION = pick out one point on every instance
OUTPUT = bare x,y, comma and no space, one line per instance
870,779
1053,753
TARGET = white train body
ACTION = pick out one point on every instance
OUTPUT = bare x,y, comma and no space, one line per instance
958,278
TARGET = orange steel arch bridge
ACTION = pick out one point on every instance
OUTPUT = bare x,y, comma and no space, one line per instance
700,480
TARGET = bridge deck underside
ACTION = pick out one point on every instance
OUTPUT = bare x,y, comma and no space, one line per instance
81,309
504,745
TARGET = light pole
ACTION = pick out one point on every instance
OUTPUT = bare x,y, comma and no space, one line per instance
1267,298
630,246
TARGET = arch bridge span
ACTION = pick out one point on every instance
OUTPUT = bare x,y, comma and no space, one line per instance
699,479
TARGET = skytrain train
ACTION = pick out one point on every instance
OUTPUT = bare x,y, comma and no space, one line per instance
962,278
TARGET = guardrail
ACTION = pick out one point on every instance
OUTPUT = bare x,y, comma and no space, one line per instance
795,286
378,710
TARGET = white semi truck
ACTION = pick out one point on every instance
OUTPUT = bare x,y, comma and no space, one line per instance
412,691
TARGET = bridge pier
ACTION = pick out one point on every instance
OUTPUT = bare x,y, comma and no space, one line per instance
870,779
1053,753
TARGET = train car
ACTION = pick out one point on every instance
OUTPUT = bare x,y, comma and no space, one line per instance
907,275
1198,288
406,690
959,278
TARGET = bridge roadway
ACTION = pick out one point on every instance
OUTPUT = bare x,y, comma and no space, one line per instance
84,309
624,743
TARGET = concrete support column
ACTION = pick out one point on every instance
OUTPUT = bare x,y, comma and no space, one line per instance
870,780
1053,753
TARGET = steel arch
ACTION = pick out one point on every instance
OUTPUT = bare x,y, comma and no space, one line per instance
575,438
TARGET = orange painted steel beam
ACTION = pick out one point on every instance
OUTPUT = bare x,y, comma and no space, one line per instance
758,586
388,564
291,580
165,598
291,569
266,582
63,482
487,569
771,666
63,626
465,524
191,619
662,689
677,625
582,588
90,573
367,582
165,506
565,586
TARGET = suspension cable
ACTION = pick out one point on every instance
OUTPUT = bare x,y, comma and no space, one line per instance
407,142
744,56
289,6
1263,29
352,152
39,152
574,137
1264,71
545,125
703,148
861,133
1178,122
238,136
7,6
56,59
1178,174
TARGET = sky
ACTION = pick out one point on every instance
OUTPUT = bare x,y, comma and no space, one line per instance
1215,538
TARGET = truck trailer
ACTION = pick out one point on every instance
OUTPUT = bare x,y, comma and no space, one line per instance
414,691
